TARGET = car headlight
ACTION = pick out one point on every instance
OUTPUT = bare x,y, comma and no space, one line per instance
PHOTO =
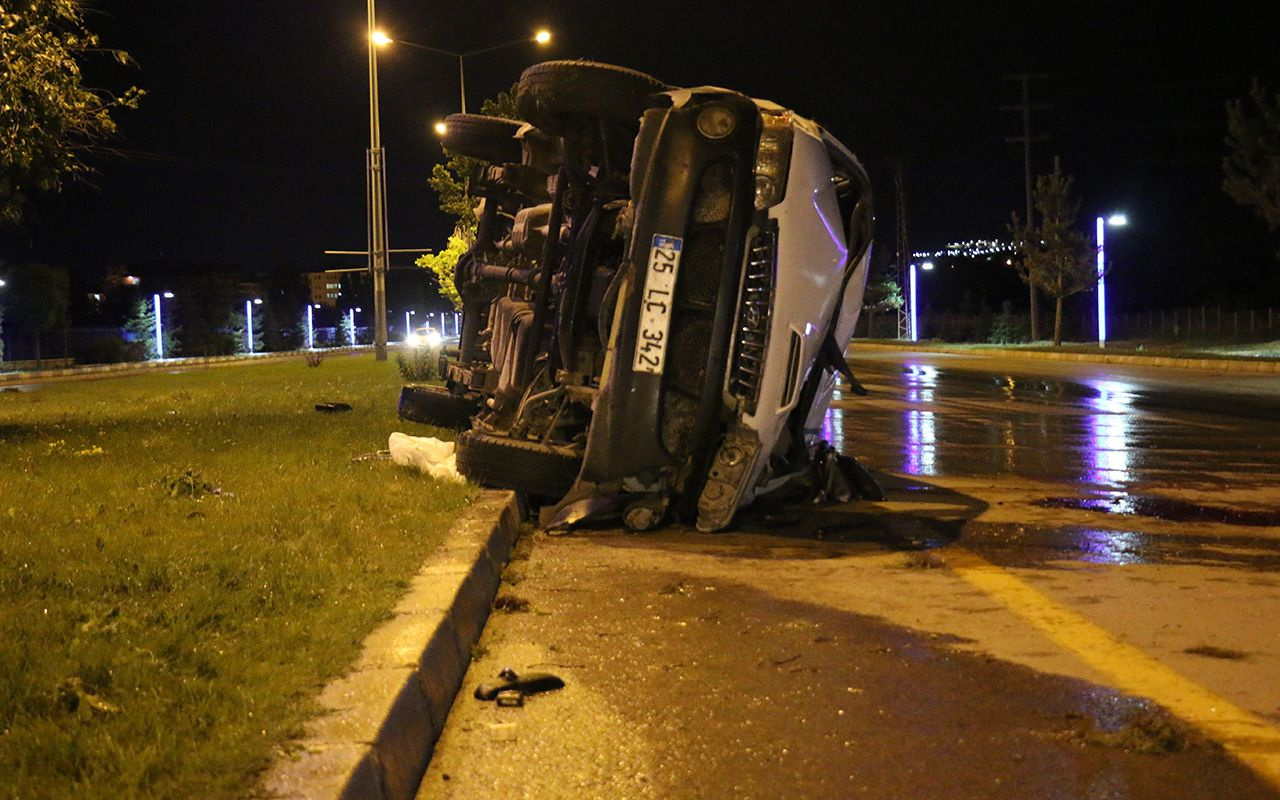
433,339
773,157
412,340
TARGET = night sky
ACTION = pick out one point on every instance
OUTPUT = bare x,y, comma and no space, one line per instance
249,147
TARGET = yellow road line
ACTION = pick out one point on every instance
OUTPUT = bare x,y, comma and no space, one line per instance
1249,738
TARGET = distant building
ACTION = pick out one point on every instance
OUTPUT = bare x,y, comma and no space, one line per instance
326,288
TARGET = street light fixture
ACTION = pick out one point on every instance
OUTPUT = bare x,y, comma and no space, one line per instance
541,37
1115,221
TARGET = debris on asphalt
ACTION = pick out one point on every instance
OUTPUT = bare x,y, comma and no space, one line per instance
333,408
513,688
426,453
510,603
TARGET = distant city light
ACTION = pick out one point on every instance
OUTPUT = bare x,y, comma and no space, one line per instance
1118,220
131,280
970,249
167,295
928,265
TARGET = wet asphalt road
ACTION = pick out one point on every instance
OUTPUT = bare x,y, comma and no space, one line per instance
1065,551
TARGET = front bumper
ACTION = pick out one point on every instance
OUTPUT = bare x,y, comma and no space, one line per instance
699,188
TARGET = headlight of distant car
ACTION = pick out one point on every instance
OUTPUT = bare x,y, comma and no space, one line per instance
773,156
433,338
413,340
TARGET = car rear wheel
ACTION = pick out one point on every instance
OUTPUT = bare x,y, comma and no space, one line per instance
432,405
550,91
489,139
539,470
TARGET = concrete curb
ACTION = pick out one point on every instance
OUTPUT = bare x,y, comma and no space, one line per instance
382,720
1258,367
132,367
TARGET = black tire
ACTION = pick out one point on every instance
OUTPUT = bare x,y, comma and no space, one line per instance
550,91
489,139
500,462
432,405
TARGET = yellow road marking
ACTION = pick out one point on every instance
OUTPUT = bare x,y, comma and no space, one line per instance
1249,738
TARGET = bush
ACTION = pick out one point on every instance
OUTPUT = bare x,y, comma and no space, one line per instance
104,350
1005,328
421,364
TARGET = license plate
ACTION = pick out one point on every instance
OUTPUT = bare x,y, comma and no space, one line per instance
655,305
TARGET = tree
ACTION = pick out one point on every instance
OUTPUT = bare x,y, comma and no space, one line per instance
348,327
48,118
239,330
1252,165
1054,257
142,325
883,294
450,181
36,297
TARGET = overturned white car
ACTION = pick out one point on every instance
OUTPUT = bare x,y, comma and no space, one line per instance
657,303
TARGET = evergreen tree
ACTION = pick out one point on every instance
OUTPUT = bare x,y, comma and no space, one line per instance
141,324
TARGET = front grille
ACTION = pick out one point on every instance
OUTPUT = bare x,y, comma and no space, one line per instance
752,335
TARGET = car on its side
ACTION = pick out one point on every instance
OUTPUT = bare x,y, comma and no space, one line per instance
658,299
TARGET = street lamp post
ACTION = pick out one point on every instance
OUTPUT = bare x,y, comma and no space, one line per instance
376,177
915,329
248,322
311,335
159,326
1115,221
408,326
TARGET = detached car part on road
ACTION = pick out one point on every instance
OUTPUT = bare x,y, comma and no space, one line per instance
657,303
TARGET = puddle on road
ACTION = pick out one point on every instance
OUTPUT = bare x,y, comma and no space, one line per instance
1010,544
1166,508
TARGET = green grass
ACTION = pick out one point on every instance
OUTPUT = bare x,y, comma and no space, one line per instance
185,559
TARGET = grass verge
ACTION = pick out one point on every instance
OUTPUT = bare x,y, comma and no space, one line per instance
185,559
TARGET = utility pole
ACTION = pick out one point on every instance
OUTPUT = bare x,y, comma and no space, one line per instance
904,251
1026,138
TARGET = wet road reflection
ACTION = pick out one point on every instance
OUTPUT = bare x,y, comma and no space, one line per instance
923,420
1094,444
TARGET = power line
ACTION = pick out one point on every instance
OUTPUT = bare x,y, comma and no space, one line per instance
1026,138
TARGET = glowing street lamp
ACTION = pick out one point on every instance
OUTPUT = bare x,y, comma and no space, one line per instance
159,327
1115,221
